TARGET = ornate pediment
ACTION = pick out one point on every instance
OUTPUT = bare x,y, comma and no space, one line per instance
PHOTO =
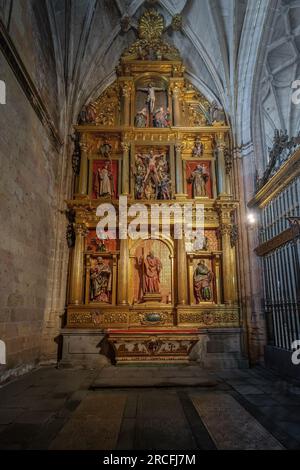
150,45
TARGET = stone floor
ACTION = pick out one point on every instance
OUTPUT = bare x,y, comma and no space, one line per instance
151,408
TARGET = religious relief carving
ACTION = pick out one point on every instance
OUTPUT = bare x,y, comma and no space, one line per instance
196,116
216,318
103,245
198,148
150,45
104,111
101,281
114,317
106,150
202,280
88,114
151,175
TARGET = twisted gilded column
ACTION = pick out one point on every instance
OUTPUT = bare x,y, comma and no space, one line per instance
182,273
83,175
77,275
123,273
220,147
125,168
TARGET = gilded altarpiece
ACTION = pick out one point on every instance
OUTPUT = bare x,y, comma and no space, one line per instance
151,136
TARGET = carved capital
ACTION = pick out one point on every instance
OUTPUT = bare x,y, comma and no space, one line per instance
230,230
176,89
83,147
179,146
125,146
223,230
220,141
81,230
126,88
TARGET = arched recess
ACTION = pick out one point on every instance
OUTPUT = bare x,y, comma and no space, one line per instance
163,248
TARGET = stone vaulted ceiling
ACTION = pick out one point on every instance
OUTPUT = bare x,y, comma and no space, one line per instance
90,36
242,53
281,67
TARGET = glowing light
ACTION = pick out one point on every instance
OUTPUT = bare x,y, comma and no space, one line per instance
251,218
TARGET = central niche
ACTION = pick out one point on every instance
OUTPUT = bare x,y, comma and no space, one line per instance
152,107
154,283
152,178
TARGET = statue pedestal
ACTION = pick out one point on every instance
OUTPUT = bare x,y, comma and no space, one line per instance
152,297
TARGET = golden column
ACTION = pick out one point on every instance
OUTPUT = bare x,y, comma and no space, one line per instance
126,93
176,95
125,168
123,273
182,273
76,284
179,146
83,176
220,147
227,234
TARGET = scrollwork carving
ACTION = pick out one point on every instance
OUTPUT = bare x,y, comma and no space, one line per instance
70,233
150,45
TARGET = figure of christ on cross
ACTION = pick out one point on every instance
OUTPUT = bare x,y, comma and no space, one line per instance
150,90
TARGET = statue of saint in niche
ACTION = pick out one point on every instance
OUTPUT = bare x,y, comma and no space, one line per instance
202,279
100,278
151,267
151,174
104,181
198,179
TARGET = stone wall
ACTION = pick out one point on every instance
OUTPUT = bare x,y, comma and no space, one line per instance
28,212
